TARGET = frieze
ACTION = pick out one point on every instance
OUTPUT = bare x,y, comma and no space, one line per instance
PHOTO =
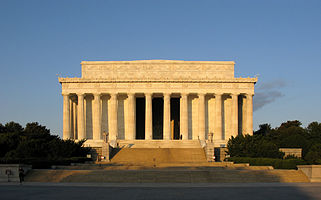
154,70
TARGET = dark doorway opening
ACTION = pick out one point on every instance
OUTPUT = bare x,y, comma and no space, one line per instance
158,113
175,118
140,118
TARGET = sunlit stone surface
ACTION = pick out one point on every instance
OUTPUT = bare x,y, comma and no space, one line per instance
157,99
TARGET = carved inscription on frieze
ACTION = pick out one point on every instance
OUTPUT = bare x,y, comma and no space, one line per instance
158,71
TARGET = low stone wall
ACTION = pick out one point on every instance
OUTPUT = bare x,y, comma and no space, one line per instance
297,152
313,172
10,172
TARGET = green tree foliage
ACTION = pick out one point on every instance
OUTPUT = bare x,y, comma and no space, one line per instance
13,127
35,142
266,141
288,124
2,129
253,146
314,154
35,128
264,129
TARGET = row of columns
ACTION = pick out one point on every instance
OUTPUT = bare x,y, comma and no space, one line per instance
113,128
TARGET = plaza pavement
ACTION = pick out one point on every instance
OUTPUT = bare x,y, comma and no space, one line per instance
168,191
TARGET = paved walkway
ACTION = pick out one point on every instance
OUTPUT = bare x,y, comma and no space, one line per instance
166,191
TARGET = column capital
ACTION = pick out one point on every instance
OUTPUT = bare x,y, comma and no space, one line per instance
131,94
249,94
65,94
184,94
114,94
148,94
234,94
167,94
201,94
97,94
80,94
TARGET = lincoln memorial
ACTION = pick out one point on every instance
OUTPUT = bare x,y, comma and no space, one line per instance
157,100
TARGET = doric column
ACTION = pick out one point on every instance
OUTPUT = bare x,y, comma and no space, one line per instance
167,117
71,117
184,120
249,116
131,117
66,117
97,118
201,116
75,119
148,117
234,131
218,116
81,117
113,117
244,114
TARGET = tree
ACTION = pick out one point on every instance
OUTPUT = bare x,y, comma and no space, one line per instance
253,146
2,128
34,142
314,154
314,129
13,127
288,124
35,128
264,129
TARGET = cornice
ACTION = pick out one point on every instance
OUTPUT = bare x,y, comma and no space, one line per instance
81,80
156,62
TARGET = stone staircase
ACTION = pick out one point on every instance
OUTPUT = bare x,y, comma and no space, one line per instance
155,156
168,175
164,162
155,152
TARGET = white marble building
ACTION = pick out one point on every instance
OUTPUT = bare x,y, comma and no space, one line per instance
157,100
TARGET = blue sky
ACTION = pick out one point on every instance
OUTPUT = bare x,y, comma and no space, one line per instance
280,41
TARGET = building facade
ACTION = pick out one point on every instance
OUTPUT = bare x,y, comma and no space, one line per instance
157,100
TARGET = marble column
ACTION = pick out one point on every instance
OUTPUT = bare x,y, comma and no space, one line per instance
66,117
81,117
75,118
148,117
71,117
167,117
244,114
249,116
97,118
201,116
234,131
113,128
131,117
184,119
218,117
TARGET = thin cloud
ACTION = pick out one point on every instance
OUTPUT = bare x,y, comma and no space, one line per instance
276,84
267,93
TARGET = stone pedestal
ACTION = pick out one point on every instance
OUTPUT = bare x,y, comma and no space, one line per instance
105,152
209,151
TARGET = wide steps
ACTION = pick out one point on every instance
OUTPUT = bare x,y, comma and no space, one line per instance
213,175
159,155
